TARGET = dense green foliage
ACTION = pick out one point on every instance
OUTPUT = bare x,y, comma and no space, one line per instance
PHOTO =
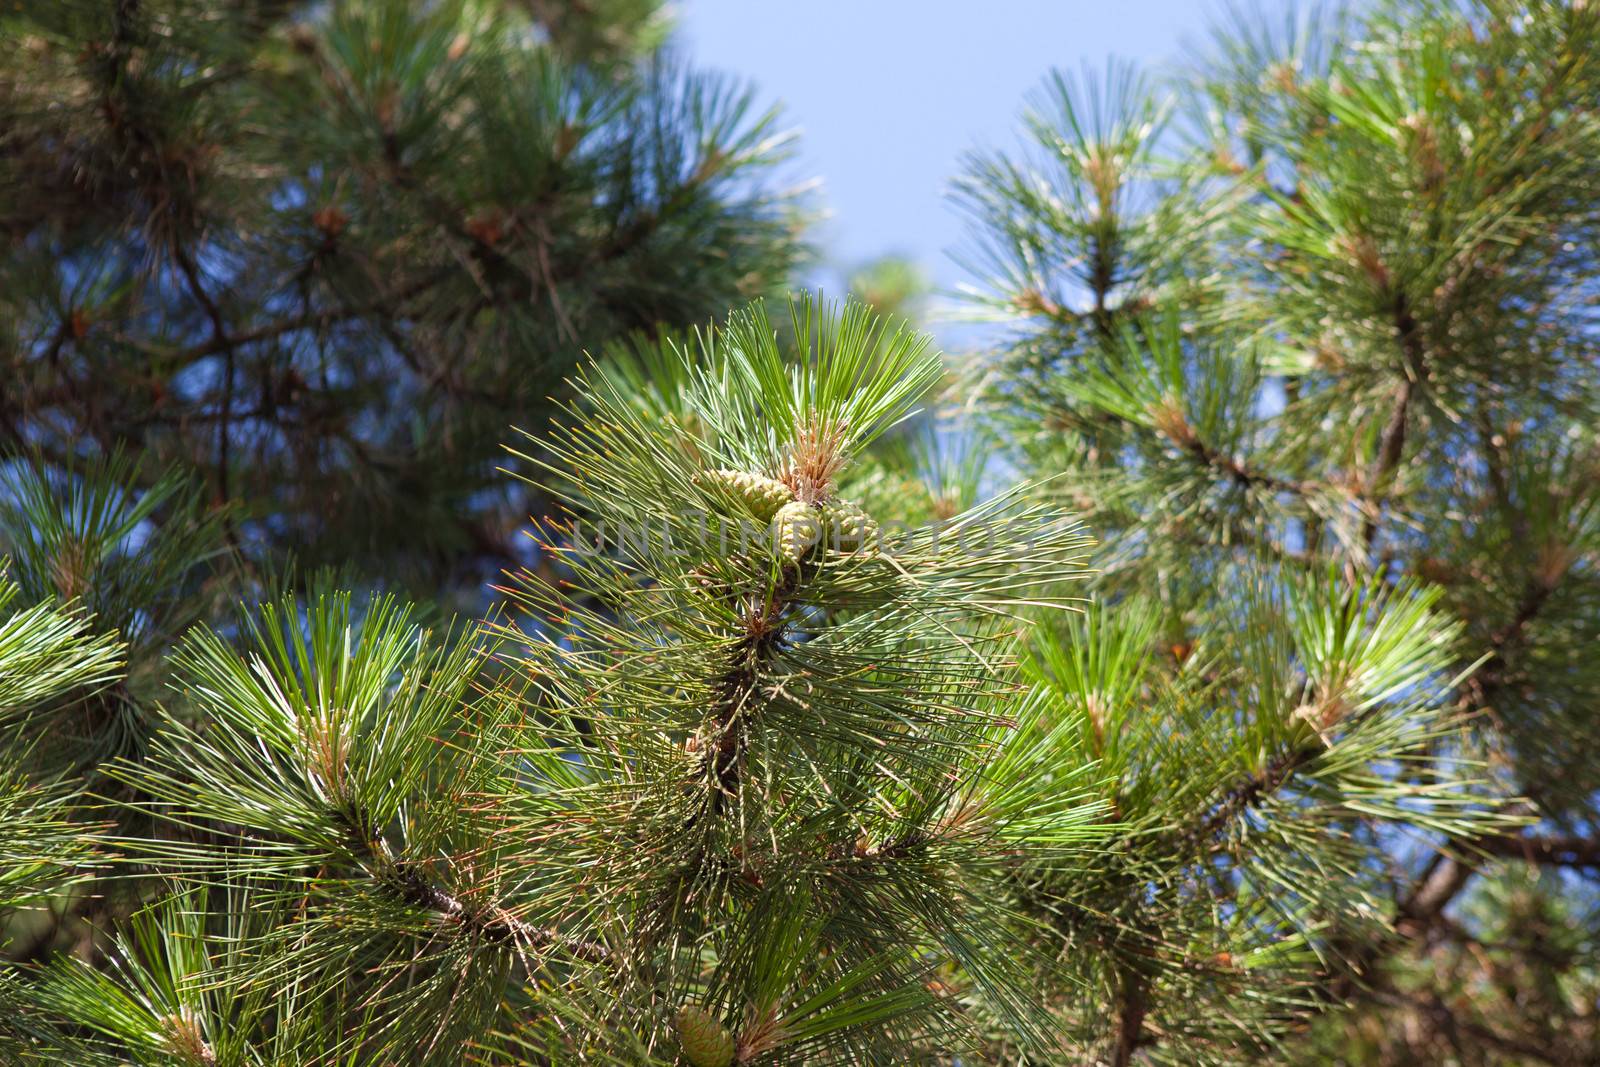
324,255
1327,314
1251,724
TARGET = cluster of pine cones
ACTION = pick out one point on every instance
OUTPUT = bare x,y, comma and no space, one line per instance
799,528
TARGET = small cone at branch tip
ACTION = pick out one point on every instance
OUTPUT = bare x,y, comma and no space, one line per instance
705,1042
763,496
796,529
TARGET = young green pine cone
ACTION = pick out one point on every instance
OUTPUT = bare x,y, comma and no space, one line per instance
763,496
796,529
848,528
705,1042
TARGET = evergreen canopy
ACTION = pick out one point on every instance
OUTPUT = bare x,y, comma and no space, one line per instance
324,255
1334,322
1254,723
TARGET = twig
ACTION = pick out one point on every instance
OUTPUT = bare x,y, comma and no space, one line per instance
1250,791
219,334
1392,444
492,924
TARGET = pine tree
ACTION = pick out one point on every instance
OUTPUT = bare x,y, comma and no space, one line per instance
706,795
323,254
1308,338
682,803
791,740
48,653
116,567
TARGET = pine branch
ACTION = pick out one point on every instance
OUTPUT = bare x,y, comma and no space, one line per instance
1440,1016
1235,469
765,625
494,924
1131,1010
220,337
1553,850
1392,442
1251,791
387,304
1446,875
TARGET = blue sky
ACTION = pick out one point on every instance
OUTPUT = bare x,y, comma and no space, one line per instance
888,94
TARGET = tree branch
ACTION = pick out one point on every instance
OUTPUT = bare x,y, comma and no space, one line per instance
219,337
492,924
1392,444
1552,850
411,884
1442,1018
764,628
1133,1005
1250,791
1244,476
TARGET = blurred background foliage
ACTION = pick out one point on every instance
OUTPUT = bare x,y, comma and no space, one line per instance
322,256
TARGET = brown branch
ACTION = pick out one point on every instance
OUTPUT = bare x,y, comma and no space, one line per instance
1490,678
620,244
1442,1018
1422,907
1445,876
1392,444
1133,1005
1551,850
491,924
219,336
1252,790
1102,277
764,629
1494,467
306,320
1245,476
411,884
1169,421
1442,880
1533,601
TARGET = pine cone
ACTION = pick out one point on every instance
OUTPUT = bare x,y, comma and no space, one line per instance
848,527
705,1042
763,496
796,529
